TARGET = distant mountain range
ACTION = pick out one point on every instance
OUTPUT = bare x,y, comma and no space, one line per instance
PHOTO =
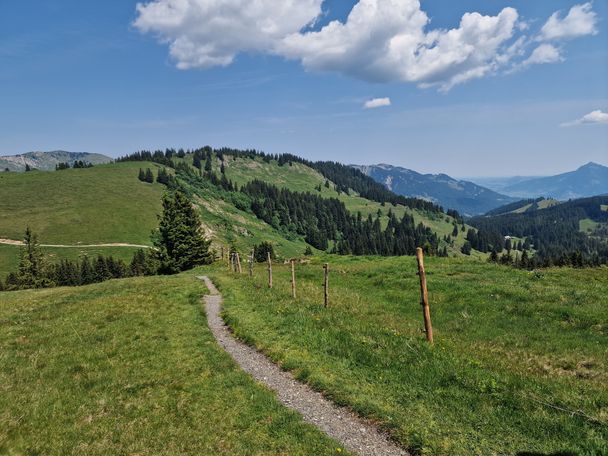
46,161
466,197
588,180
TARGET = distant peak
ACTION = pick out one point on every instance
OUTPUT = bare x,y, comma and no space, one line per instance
592,165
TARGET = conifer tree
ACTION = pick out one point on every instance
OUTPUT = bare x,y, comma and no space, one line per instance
142,175
143,264
12,281
32,272
196,160
149,176
87,273
179,241
102,271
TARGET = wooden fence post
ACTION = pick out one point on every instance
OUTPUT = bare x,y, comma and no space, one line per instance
238,264
251,265
269,271
326,284
293,278
424,296
222,253
231,262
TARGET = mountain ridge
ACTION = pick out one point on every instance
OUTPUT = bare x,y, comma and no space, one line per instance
46,161
466,197
588,180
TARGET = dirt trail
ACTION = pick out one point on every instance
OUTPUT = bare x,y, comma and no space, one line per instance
354,433
75,246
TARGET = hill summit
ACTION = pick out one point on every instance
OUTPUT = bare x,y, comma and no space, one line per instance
46,161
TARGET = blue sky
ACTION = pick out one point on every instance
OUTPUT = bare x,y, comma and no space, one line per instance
99,77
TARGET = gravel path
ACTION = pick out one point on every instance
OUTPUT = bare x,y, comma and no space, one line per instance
354,433
75,246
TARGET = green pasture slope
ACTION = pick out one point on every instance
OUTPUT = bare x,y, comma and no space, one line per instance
130,367
103,204
519,364
227,225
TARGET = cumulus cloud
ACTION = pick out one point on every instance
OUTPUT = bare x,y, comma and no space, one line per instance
545,53
380,40
207,33
386,40
579,21
594,117
377,103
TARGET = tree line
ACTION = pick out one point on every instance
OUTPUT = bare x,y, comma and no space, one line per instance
178,242
79,164
322,221
554,232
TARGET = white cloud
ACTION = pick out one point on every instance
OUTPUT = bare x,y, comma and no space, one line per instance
579,21
594,117
545,53
207,33
386,40
380,41
377,103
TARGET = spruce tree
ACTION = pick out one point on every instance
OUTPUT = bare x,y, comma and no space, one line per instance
179,241
142,175
149,176
12,282
32,272
87,274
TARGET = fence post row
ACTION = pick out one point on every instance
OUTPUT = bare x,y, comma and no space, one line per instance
326,285
424,296
293,278
251,264
238,263
269,271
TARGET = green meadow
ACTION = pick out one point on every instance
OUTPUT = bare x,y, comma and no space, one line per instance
103,204
518,366
130,367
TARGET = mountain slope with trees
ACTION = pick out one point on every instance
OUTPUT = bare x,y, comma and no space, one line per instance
465,197
555,232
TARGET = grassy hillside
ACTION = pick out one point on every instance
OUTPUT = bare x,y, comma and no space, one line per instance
299,177
519,363
227,225
130,367
104,204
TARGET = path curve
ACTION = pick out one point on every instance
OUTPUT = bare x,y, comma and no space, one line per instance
353,432
75,246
